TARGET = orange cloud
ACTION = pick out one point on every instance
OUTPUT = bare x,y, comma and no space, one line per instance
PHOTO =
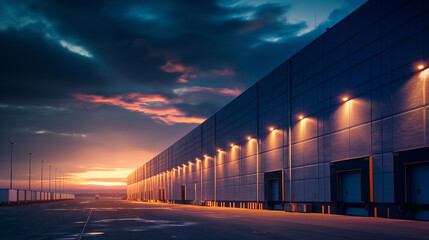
175,68
222,91
153,105
170,67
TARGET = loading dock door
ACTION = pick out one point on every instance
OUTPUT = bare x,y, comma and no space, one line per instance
273,190
350,192
419,189
350,187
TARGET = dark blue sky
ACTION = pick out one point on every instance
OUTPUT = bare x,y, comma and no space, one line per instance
96,88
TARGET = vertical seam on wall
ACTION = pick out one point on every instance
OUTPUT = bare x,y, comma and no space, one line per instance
381,106
348,85
214,161
201,153
424,80
257,139
290,130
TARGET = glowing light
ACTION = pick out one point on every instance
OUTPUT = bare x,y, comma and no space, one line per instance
272,129
205,156
232,145
197,159
301,117
219,150
421,66
345,99
190,162
249,138
106,184
95,233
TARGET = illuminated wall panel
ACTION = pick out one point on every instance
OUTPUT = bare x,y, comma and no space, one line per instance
370,57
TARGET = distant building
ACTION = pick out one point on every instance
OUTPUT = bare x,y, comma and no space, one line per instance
341,127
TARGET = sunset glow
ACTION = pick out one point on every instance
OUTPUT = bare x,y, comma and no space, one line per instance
96,104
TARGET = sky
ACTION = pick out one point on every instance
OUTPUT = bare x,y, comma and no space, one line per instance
97,88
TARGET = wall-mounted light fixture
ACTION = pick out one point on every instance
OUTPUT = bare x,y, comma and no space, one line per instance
420,67
345,99
301,117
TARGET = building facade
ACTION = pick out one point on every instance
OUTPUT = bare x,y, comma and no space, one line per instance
342,126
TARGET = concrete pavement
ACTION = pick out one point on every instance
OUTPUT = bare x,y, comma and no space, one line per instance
115,219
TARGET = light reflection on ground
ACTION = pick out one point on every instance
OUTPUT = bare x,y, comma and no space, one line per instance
137,224
94,233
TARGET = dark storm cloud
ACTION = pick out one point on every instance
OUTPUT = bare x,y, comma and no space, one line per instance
127,45
97,82
53,51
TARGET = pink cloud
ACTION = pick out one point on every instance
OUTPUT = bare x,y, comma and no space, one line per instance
175,67
187,74
221,91
182,80
153,105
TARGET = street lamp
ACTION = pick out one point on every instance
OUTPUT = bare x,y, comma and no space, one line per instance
11,154
55,181
41,178
49,178
29,170
59,184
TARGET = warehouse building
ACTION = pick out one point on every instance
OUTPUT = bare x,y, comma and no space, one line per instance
342,127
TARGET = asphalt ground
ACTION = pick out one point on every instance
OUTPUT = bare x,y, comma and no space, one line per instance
118,219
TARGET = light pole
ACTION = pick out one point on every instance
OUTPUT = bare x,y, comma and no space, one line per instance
49,178
41,178
11,155
29,170
55,181
59,184
257,168
201,182
63,181
215,182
